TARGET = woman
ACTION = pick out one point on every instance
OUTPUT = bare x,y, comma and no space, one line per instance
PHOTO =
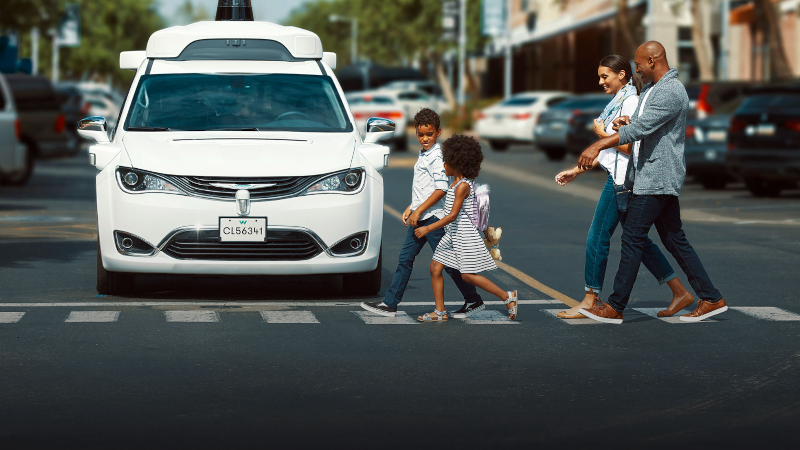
616,79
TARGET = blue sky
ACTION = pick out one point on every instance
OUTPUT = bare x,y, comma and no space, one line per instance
266,10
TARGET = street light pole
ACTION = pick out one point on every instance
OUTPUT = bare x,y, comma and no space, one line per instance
354,38
462,45
509,62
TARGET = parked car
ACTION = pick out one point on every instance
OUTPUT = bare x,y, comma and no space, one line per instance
16,162
426,86
513,120
73,105
236,159
103,106
554,123
44,124
764,140
414,100
366,105
580,125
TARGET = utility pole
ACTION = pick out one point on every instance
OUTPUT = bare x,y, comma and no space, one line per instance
462,47
509,62
354,38
54,76
35,49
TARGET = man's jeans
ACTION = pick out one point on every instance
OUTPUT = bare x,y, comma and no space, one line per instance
606,218
664,211
411,248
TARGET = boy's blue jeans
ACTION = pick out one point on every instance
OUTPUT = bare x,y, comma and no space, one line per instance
411,248
606,218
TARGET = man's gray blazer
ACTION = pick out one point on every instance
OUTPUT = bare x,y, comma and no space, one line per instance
661,166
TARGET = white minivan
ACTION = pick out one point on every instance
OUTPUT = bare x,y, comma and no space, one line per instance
16,164
236,153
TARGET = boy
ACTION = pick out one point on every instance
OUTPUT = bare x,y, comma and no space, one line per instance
427,207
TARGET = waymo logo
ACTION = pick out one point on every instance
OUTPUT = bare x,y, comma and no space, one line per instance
242,222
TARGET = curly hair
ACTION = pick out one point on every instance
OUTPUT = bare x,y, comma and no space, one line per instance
463,153
427,116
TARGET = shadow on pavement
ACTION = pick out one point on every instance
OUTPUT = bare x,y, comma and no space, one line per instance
18,254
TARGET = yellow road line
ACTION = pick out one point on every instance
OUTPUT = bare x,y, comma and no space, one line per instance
516,273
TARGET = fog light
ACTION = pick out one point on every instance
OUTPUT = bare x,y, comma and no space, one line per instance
355,243
127,243
352,245
131,179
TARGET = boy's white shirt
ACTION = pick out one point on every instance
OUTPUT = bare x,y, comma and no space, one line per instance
429,176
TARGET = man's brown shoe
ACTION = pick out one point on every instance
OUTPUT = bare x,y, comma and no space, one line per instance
602,312
705,310
675,308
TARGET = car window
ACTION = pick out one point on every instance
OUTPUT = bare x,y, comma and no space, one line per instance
273,102
521,101
785,102
554,101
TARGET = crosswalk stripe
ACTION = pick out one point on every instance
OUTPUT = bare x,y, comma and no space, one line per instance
92,316
369,318
768,313
11,317
487,317
191,316
587,321
289,317
653,312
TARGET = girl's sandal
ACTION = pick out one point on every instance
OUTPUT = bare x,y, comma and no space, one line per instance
512,311
441,316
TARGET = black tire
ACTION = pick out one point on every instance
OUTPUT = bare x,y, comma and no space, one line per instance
761,188
21,178
366,283
713,183
499,146
555,154
112,283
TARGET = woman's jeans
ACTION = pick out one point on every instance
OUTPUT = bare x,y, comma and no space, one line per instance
606,218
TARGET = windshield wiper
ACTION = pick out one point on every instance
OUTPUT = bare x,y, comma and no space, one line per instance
150,129
236,129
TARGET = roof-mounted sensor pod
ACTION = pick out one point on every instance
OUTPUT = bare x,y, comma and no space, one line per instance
235,10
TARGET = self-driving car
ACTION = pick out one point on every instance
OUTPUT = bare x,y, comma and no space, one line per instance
235,152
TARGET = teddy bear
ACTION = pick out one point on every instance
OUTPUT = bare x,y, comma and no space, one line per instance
491,240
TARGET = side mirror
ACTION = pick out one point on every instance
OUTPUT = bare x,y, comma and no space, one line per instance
94,128
132,60
330,59
379,129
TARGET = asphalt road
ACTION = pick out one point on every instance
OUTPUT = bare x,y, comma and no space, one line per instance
204,362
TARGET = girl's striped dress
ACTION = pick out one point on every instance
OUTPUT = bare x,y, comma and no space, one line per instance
462,245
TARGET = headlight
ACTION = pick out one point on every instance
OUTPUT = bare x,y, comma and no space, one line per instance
343,182
131,180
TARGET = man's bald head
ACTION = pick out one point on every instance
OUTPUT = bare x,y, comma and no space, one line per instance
651,61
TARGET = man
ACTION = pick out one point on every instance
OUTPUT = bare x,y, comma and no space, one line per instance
658,129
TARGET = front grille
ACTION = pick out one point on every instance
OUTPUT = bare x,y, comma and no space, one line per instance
278,187
280,246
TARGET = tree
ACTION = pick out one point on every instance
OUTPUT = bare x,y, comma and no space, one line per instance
769,23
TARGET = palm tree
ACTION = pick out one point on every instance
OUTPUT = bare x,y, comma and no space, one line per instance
768,20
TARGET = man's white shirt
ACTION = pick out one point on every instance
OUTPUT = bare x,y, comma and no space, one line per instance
429,176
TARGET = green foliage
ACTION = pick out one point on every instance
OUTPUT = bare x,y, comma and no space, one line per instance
107,28
389,32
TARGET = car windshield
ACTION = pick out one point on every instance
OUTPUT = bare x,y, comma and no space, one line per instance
521,101
786,102
274,102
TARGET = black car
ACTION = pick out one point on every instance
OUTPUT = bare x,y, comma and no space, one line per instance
580,129
706,150
552,126
764,140
73,105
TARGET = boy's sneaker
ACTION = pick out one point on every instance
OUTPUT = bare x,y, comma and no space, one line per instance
379,308
469,309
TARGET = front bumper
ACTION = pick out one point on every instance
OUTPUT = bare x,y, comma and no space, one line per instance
706,160
155,217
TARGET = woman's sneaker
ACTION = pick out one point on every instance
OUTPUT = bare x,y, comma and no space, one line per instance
379,308
469,309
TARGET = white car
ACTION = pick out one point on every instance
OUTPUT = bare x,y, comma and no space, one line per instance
16,163
236,153
414,100
514,120
365,105
103,106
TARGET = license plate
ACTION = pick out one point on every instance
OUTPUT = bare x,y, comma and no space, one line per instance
766,130
557,126
242,229
499,117
717,136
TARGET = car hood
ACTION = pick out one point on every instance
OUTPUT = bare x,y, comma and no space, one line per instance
240,154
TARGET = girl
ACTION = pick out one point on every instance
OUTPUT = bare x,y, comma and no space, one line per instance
462,246
616,79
